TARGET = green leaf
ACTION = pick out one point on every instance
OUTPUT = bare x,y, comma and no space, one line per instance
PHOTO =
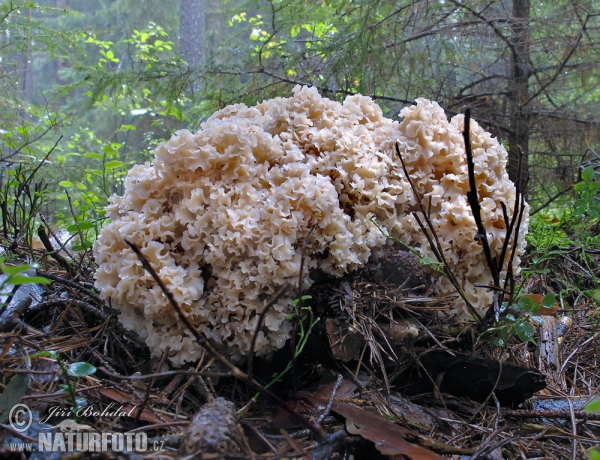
593,406
96,156
44,354
12,271
525,330
21,279
82,225
549,300
594,187
594,210
526,304
65,183
594,454
82,369
113,164
588,174
495,341
108,149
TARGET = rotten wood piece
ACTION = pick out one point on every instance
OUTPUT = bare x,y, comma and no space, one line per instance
471,377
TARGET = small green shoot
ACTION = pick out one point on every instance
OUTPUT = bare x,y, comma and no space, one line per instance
306,325
80,369
517,321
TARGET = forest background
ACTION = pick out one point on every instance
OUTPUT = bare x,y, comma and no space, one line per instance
89,88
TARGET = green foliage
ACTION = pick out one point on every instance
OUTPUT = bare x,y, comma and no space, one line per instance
305,325
22,196
80,369
15,276
74,370
562,246
593,406
517,322
587,191
552,238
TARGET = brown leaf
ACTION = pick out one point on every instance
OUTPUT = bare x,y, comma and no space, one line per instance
117,395
132,409
345,344
387,436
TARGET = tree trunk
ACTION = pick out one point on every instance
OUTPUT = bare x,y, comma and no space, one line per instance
192,14
518,139
28,71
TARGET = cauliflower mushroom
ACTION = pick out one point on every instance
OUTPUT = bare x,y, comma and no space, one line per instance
222,214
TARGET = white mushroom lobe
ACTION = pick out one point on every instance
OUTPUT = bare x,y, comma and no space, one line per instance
221,215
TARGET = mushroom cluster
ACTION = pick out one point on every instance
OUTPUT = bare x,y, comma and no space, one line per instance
222,215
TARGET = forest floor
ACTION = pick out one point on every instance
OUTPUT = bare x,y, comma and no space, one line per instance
361,388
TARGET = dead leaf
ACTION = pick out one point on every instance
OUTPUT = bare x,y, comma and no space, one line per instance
12,394
347,390
387,436
131,407
345,343
117,395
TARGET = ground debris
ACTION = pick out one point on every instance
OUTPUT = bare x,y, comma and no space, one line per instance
213,430
376,331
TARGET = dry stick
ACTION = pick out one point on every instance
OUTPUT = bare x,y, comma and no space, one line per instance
52,234
473,200
16,152
149,388
71,284
509,223
494,265
51,251
434,242
520,201
205,343
159,375
37,168
336,387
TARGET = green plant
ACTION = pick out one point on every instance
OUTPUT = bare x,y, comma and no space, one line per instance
305,326
22,196
306,323
80,369
593,406
587,202
516,320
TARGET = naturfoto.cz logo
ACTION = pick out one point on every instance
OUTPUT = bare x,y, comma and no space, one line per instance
70,436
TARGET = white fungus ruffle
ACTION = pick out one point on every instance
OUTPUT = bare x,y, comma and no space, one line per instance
221,215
